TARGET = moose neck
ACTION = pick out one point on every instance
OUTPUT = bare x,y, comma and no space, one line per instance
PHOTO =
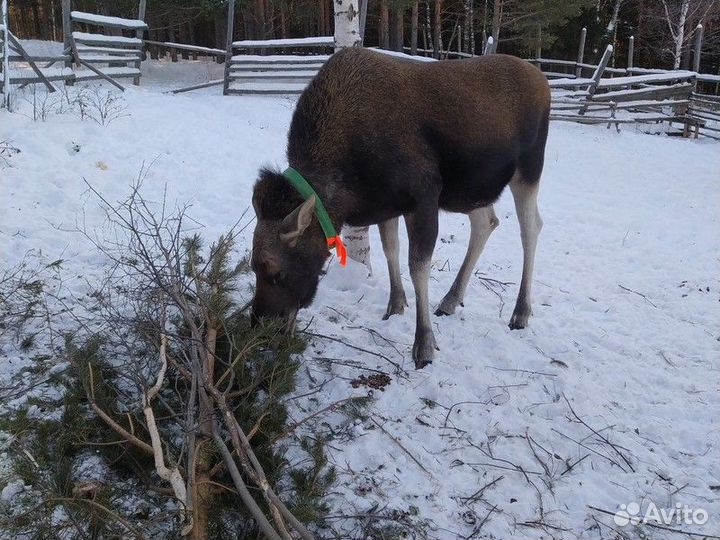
327,192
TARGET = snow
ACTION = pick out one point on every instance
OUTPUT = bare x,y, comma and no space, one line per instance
12,490
279,87
36,47
625,81
569,82
403,55
194,48
625,325
628,94
110,71
112,50
555,62
706,77
304,74
105,58
52,73
100,38
103,20
297,59
291,42
644,79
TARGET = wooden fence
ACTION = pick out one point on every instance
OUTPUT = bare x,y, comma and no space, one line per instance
158,49
274,73
582,92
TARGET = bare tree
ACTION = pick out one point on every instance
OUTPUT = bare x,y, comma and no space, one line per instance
689,14
384,25
414,27
469,26
677,29
497,19
437,22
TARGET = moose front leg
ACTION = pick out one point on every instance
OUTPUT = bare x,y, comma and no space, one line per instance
391,247
422,228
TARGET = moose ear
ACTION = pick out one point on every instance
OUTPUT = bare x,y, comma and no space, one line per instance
297,221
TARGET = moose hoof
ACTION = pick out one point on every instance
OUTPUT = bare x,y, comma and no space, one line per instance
424,350
519,319
396,306
448,305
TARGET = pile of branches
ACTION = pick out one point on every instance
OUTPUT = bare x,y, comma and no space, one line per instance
166,379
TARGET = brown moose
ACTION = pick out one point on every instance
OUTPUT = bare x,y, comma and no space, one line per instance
379,137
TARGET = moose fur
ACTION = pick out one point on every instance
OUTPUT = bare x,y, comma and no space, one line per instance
380,137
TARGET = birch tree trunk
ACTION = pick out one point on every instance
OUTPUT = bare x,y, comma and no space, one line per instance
611,29
347,24
347,34
680,38
677,31
7,89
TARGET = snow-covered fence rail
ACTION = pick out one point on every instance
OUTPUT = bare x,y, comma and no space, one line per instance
121,54
632,95
28,72
276,73
654,96
160,48
707,108
444,54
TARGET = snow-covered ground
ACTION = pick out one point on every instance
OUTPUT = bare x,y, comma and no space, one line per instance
608,398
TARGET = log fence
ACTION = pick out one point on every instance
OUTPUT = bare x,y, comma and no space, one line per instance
582,92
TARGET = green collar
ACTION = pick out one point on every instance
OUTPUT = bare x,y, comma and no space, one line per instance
305,190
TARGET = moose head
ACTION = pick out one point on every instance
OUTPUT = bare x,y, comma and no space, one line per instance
289,250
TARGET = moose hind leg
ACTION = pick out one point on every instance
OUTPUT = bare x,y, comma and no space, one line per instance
422,226
391,248
483,222
525,195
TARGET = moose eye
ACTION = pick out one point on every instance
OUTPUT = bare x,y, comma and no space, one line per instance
275,279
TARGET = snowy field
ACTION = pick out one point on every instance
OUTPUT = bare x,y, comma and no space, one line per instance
608,398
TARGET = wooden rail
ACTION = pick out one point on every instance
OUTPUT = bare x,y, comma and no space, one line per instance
275,73
155,47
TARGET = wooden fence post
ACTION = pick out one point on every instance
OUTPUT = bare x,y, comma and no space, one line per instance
363,17
581,52
698,48
229,45
538,49
7,88
631,53
140,34
67,30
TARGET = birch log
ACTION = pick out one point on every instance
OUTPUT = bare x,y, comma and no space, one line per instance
7,89
347,34
347,24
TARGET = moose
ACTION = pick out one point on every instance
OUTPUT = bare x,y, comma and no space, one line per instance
375,137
